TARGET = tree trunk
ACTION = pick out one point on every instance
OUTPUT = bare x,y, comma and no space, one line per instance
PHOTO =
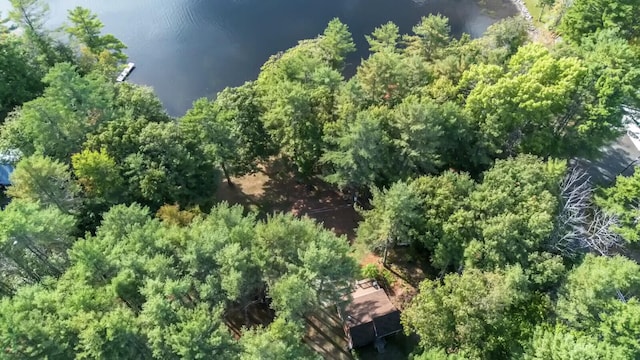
386,251
226,174
541,11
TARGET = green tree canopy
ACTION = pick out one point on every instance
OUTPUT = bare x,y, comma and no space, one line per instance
30,16
432,35
143,288
445,214
20,74
280,340
158,161
229,130
337,43
595,288
297,91
288,246
476,312
361,153
621,200
98,175
43,180
514,208
57,123
393,218
585,17
34,241
559,343
86,27
524,110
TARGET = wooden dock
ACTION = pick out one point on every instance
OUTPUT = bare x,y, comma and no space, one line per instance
127,70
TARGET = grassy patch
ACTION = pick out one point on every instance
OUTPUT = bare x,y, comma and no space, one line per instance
535,11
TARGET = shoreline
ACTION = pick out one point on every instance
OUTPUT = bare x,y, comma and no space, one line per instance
534,32
522,9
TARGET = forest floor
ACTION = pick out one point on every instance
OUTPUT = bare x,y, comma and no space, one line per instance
326,336
273,189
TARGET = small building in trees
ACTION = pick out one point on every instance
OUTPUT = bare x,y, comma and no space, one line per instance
369,316
8,159
5,172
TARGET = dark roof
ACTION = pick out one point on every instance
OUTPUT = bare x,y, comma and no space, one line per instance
387,324
365,334
370,314
367,304
362,335
5,171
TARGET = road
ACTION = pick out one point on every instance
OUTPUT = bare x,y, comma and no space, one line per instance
620,158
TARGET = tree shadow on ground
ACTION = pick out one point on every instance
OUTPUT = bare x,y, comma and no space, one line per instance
410,265
325,334
619,158
398,347
275,188
258,314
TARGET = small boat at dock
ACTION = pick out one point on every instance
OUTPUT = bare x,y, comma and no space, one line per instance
127,70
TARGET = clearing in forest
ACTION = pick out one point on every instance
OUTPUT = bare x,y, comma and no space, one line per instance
274,188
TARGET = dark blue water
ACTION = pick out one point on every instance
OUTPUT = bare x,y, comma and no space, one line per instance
187,49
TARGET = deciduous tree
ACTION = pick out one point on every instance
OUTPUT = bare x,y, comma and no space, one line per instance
525,110
621,201
559,343
594,289
514,207
586,17
445,214
98,175
475,312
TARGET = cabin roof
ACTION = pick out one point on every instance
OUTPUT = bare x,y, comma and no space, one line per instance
368,303
5,172
369,314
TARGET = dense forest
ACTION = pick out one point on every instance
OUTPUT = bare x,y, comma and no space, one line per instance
113,245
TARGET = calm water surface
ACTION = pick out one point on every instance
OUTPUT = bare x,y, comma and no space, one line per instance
188,49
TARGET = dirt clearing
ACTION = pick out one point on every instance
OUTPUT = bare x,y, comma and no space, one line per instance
275,189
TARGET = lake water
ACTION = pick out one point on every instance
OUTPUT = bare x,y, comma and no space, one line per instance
186,49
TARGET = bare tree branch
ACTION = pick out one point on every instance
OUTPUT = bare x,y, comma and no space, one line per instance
602,237
581,226
572,220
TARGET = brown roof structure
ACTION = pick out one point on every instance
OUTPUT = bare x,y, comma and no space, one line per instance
369,314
